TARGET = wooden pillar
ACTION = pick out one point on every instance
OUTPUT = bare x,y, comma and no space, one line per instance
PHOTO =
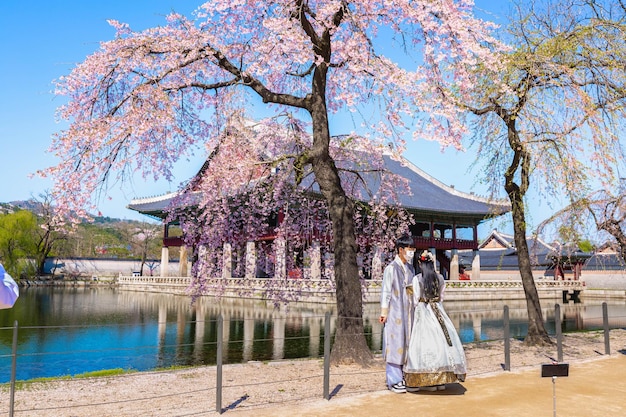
454,234
432,237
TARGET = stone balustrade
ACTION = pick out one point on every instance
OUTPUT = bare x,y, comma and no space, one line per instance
323,290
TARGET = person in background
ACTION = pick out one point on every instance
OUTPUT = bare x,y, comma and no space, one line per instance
463,275
435,354
9,291
395,306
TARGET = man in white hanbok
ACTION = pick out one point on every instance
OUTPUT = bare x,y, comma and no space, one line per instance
435,354
395,306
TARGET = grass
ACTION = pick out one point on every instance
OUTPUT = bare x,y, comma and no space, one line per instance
23,384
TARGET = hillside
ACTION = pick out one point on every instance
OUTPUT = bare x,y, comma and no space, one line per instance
103,237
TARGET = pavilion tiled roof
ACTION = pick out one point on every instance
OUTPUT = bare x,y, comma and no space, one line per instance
428,198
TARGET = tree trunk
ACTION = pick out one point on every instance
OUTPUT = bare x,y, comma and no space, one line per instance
537,334
350,345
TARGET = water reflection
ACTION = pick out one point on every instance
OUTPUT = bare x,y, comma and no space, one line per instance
70,331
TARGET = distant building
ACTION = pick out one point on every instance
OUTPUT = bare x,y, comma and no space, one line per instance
498,253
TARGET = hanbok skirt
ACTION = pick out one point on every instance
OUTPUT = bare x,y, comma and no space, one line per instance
435,356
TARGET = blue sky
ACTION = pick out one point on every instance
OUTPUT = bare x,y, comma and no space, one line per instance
43,40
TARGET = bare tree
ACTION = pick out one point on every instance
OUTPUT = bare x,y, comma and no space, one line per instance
549,118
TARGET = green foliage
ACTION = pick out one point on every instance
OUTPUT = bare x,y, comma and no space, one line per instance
18,231
585,246
112,239
27,238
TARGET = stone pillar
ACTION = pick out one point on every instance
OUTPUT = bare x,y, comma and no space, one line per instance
377,263
280,255
454,265
182,265
315,254
227,261
250,260
165,261
476,265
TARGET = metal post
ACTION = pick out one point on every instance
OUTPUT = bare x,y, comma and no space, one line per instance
559,332
327,356
507,340
554,395
13,369
605,321
220,345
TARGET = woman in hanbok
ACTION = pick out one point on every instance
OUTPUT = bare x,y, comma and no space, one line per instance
435,355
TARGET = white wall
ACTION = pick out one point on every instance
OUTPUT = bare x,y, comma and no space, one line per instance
105,267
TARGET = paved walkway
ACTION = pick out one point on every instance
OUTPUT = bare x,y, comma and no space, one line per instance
594,388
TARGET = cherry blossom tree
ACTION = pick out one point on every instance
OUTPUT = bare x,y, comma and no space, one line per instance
552,117
145,99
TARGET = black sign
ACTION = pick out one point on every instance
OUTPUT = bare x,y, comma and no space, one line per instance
558,369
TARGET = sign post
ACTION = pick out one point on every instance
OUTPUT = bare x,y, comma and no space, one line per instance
554,370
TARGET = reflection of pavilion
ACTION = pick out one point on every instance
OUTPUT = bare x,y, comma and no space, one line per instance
255,325
445,220
242,320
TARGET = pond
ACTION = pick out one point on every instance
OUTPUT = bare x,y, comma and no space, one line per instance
68,331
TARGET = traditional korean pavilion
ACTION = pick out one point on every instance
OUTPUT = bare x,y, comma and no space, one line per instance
446,219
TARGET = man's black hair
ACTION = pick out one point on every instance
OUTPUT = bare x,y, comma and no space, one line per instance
404,242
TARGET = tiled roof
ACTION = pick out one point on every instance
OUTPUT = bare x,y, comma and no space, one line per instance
431,195
427,197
